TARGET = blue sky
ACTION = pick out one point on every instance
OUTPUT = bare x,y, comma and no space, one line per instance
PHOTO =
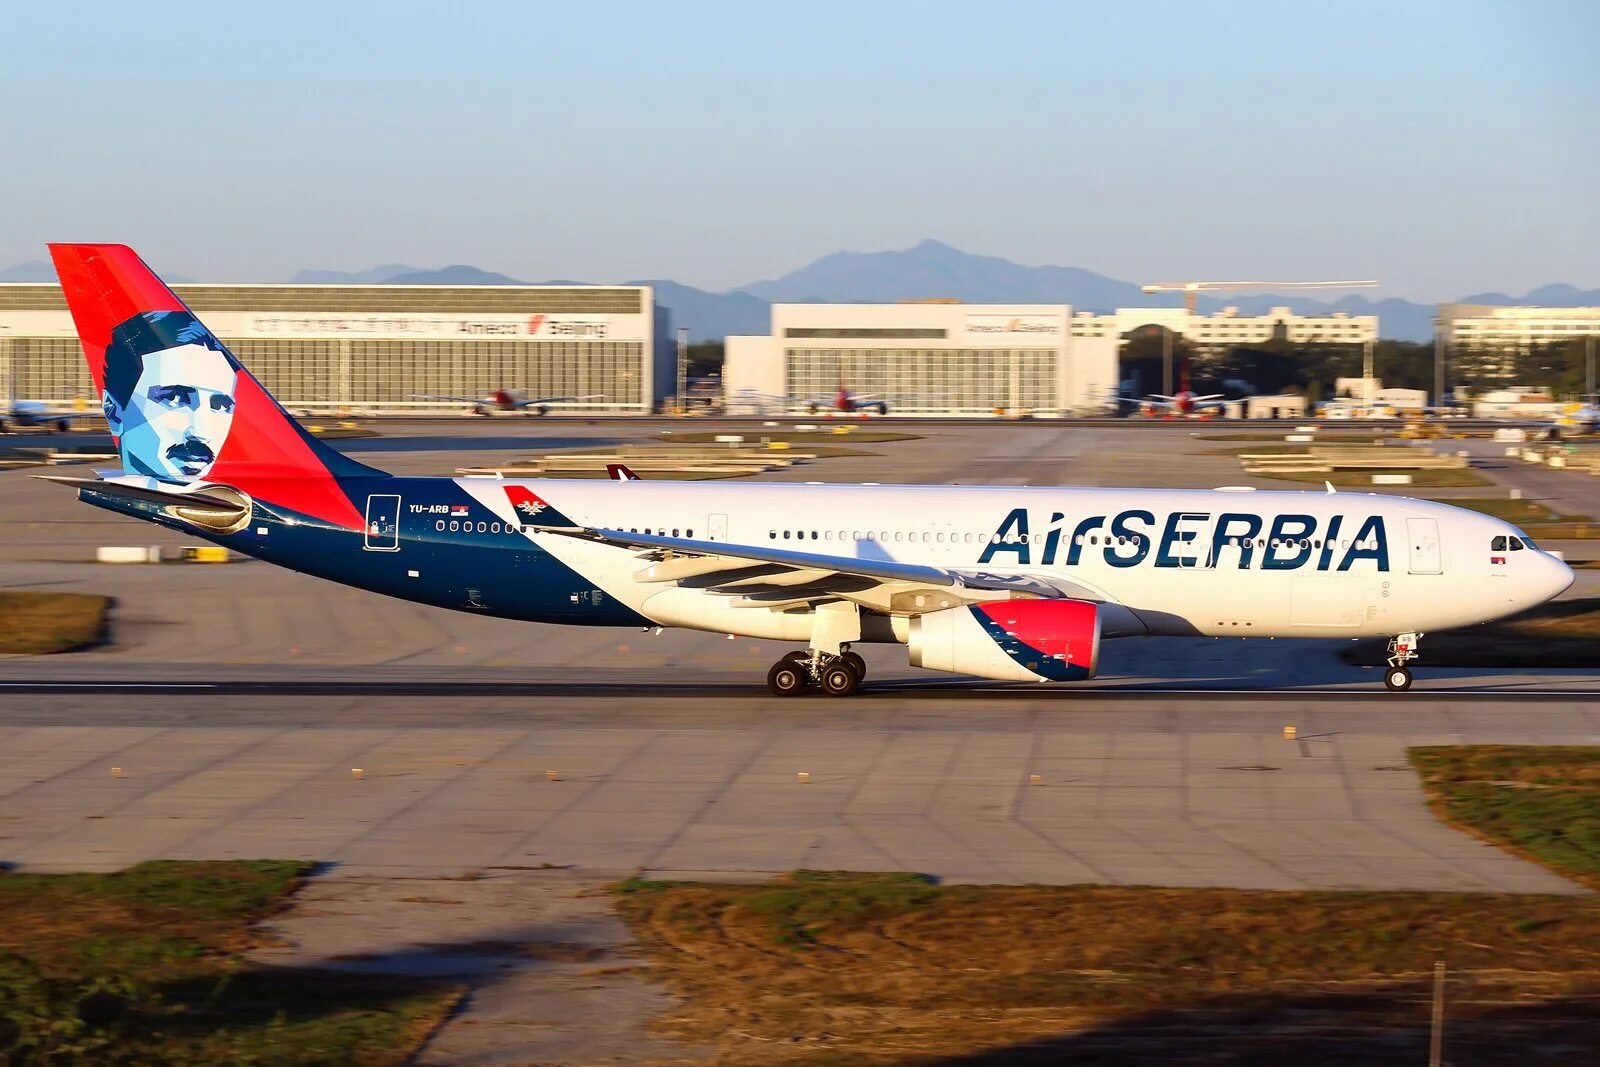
1443,148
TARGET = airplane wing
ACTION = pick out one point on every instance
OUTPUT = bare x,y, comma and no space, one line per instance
530,401
781,578
457,399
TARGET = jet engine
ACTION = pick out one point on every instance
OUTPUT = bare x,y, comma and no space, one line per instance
1010,640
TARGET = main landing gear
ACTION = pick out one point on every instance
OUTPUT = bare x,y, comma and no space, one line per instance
837,676
1403,649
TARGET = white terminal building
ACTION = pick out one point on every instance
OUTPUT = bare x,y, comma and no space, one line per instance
375,347
945,357
1514,328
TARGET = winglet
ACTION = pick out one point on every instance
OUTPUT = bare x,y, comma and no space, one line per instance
619,472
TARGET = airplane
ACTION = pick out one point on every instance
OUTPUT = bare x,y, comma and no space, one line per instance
1002,582
1575,420
36,414
510,400
1185,403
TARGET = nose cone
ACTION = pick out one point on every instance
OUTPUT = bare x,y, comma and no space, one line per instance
1552,578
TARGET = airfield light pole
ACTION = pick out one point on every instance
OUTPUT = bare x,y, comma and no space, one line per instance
683,370
1438,363
1166,360
1367,385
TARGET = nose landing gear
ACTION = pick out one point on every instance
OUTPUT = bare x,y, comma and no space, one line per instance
1402,650
837,676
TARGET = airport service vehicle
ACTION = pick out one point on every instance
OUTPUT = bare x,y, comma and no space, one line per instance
1002,582
513,400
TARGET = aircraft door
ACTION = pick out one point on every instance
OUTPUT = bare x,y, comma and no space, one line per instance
716,527
1422,539
383,523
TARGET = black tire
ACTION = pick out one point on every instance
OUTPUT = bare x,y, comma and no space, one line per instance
1397,679
786,679
64,425
858,663
839,679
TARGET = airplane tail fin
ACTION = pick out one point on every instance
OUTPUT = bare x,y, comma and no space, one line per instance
181,407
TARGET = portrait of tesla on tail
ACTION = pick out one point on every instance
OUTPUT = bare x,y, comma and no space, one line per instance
169,395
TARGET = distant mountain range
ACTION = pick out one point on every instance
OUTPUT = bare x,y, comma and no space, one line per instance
927,269
934,269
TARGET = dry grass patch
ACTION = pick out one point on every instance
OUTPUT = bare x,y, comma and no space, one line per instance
146,966
754,438
1421,477
824,967
33,623
1542,801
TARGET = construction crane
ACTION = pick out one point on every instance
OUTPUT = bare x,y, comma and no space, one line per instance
1191,290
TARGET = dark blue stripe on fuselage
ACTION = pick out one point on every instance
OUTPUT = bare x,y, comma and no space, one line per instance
501,574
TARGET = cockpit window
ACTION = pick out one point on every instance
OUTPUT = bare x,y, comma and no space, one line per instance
1528,542
1498,544
1516,544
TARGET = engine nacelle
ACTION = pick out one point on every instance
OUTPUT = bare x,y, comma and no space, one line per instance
1011,640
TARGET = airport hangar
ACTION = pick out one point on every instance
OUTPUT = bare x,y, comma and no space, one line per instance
945,357
368,348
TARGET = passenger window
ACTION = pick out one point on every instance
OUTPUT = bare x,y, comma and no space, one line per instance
439,526
453,525
674,531
1498,544
688,533
813,535
494,527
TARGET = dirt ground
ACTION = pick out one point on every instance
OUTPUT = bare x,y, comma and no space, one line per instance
842,969
551,977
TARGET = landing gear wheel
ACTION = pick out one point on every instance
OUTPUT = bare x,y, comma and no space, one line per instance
858,663
786,678
839,678
1397,679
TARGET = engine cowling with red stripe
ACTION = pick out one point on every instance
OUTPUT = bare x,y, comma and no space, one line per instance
1011,640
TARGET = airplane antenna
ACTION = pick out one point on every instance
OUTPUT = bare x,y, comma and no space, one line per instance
1331,489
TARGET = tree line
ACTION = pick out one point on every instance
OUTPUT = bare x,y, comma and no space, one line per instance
1312,368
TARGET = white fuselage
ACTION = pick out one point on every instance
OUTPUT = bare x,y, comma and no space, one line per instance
1163,562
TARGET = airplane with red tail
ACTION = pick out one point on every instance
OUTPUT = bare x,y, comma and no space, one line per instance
1016,583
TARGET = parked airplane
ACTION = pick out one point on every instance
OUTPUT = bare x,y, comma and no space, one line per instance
1185,403
1005,582
1575,420
510,400
36,414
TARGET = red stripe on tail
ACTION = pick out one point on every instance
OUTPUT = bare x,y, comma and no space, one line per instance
182,407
